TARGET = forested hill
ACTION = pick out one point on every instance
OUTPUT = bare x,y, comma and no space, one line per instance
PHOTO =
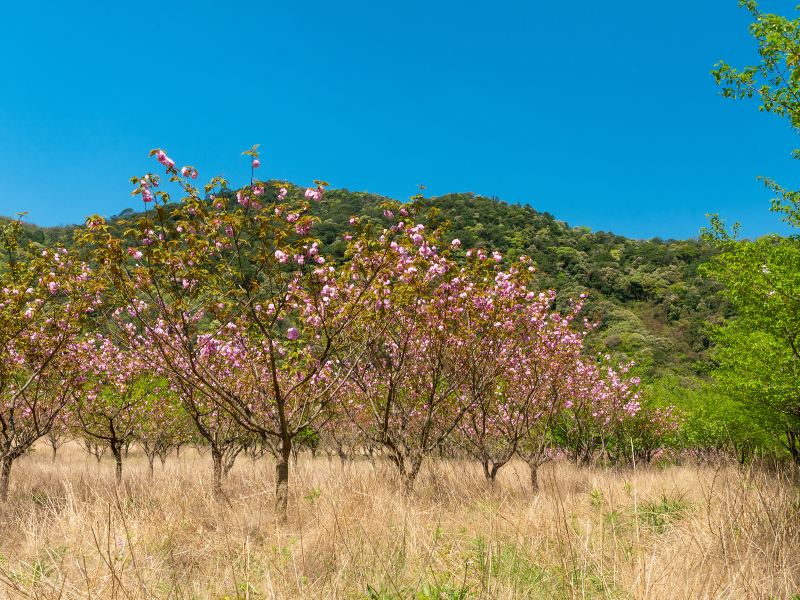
648,296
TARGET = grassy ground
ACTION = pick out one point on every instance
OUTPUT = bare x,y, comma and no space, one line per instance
681,532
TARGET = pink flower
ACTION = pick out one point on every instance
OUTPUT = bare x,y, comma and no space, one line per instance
134,253
456,243
53,287
292,217
186,171
388,214
280,256
258,190
256,163
282,194
164,159
292,333
315,194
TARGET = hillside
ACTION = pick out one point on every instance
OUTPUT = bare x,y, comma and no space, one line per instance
647,295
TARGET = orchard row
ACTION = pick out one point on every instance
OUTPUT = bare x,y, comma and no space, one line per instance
216,318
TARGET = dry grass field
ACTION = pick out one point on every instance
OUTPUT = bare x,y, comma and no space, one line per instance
680,532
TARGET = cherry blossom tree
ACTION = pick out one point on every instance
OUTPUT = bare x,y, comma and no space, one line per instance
516,372
599,397
45,297
406,388
229,297
113,405
166,424
58,435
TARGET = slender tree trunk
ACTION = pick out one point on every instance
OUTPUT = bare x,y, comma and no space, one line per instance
282,481
116,450
534,467
55,451
216,457
150,460
227,465
5,476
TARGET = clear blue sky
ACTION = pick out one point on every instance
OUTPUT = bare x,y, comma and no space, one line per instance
604,115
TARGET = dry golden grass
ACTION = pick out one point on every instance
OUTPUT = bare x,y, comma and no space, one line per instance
680,532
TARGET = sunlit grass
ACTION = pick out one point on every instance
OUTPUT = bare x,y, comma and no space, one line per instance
679,532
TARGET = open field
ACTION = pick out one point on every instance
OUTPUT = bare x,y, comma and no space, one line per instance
678,532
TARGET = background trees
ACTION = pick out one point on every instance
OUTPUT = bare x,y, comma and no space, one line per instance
758,351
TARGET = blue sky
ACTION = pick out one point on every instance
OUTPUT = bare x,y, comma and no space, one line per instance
604,115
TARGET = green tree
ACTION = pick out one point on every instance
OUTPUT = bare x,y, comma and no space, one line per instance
775,80
758,352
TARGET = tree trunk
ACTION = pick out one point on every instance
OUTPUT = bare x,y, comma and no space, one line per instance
793,443
55,451
410,476
150,460
534,477
490,471
116,449
216,457
282,481
5,475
